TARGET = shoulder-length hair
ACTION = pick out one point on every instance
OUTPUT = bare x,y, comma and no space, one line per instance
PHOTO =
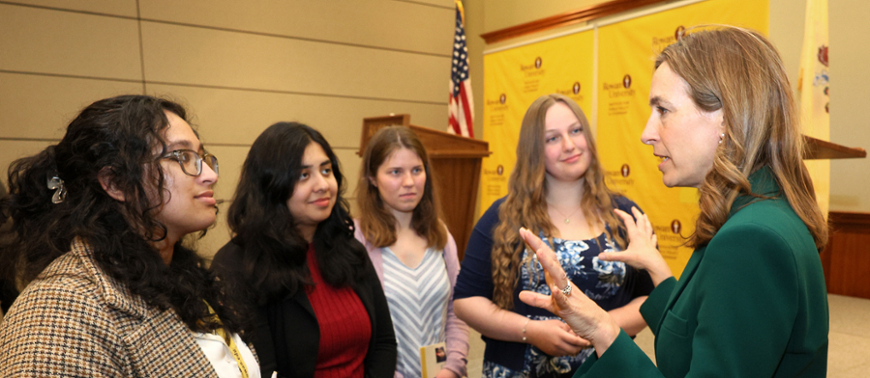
124,137
739,71
376,222
526,202
274,252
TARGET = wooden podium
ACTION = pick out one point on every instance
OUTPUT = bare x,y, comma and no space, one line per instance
822,149
455,164
845,258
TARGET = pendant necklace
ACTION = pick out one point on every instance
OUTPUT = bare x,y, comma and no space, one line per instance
568,217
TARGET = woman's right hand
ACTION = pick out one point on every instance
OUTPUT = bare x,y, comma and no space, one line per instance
584,316
555,338
641,252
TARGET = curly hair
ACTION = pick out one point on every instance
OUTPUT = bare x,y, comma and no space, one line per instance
274,252
526,202
377,223
739,71
118,135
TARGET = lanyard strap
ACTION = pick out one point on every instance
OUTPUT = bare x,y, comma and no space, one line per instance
230,343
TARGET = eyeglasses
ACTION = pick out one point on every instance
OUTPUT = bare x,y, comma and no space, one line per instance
191,161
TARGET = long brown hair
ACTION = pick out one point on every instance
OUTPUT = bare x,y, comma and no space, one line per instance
376,222
739,71
526,202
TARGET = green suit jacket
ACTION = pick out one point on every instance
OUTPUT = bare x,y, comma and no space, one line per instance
751,303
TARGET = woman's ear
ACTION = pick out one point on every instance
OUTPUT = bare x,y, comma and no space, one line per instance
107,181
373,181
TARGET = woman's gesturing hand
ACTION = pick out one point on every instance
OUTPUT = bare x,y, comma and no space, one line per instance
641,252
585,318
555,338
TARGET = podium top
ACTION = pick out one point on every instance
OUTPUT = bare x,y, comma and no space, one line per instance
820,149
439,144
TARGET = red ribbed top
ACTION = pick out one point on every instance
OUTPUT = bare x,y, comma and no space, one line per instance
345,328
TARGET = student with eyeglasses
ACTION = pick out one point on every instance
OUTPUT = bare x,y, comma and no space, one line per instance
191,161
98,224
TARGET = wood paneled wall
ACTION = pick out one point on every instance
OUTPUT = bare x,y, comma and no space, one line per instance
239,66
846,259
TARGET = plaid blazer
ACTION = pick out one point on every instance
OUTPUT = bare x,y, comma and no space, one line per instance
74,321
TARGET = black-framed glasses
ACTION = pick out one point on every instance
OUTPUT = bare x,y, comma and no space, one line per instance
191,161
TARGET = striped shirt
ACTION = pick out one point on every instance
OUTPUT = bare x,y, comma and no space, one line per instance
418,299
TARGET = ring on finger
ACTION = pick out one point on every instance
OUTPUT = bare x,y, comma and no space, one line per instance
567,290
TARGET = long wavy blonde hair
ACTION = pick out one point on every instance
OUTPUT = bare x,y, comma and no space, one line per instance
739,71
526,202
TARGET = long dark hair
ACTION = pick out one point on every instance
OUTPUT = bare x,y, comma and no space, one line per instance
117,135
274,252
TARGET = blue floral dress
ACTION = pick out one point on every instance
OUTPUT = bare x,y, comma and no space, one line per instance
597,279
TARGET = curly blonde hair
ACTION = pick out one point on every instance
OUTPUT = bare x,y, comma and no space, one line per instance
526,202
739,71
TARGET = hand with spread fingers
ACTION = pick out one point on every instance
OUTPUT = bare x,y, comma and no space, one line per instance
585,317
641,252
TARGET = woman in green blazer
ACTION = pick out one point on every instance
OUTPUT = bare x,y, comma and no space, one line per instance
751,301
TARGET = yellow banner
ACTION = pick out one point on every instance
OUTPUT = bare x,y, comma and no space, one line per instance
515,78
627,52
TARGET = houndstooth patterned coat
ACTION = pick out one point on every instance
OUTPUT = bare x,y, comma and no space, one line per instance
74,321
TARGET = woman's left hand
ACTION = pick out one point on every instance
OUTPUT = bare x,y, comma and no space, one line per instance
583,315
641,252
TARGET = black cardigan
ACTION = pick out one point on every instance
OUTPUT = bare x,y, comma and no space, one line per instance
290,325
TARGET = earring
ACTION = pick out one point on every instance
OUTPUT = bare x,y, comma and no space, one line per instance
721,136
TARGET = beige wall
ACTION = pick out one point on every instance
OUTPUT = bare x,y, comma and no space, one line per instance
850,78
238,65
850,113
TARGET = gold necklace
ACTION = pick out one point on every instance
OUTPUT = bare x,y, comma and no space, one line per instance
568,217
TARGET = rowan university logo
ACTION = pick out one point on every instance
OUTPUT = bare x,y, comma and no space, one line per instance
680,32
626,81
676,226
502,99
538,62
625,170
576,87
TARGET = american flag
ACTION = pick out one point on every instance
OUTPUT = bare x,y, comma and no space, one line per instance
461,106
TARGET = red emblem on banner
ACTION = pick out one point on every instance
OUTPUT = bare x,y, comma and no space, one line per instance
676,226
680,32
823,55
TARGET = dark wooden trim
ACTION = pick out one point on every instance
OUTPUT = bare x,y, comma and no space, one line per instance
568,18
842,220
